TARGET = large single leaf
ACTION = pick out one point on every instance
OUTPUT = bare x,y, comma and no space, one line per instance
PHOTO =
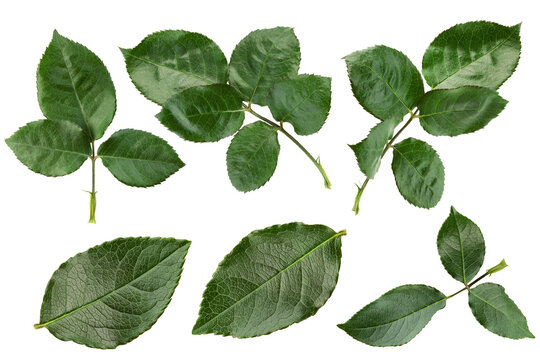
302,100
477,53
459,111
396,317
369,151
252,156
170,61
461,247
495,311
112,293
138,158
384,81
262,58
203,113
52,148
74,85
273,278
419,172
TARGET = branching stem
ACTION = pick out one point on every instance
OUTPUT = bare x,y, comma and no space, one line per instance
469,285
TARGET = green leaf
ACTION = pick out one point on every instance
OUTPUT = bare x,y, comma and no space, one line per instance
51,148
112,293
459,111
262,58
461,247
477,53
138,158
495,311
74,85
252,156
167,62
419,173
384,81
396,317
302,100
273,278
369,151
203,113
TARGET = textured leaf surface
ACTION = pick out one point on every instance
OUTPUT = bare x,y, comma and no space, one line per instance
419,172
461,247
495,311
203,113
52,148
303,101
252,156
262,58
384,81
138,158
112,293
74,85
369,151
273,278
396,317
477,53
459,111
170,61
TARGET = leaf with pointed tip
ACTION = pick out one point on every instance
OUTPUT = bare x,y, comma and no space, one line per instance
51,148
262,58
461,247
396,317
138,158
384,81
419,172
459,111
302,100
74,85
113,292
203,113
273,278
495,311
477,53
369,151
167,62
252,156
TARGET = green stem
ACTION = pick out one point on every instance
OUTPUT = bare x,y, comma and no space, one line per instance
472,283
93,192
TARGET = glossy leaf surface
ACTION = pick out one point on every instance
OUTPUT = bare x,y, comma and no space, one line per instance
273,278
112,293
477,53
419,172
396,317
74,85
51,148
262,58
167,62
203,113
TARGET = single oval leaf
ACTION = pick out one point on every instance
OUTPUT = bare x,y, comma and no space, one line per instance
419,172
396,317
113,292
477,53
384,81
262,58
203,113
51,148
74,85
459,111
167,62
461,247
252,156
272,279
302,100
138,158
495,311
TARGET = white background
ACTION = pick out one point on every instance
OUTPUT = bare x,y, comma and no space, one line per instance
491,176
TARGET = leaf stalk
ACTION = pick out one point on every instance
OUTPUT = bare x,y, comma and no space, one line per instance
92,219
472,283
